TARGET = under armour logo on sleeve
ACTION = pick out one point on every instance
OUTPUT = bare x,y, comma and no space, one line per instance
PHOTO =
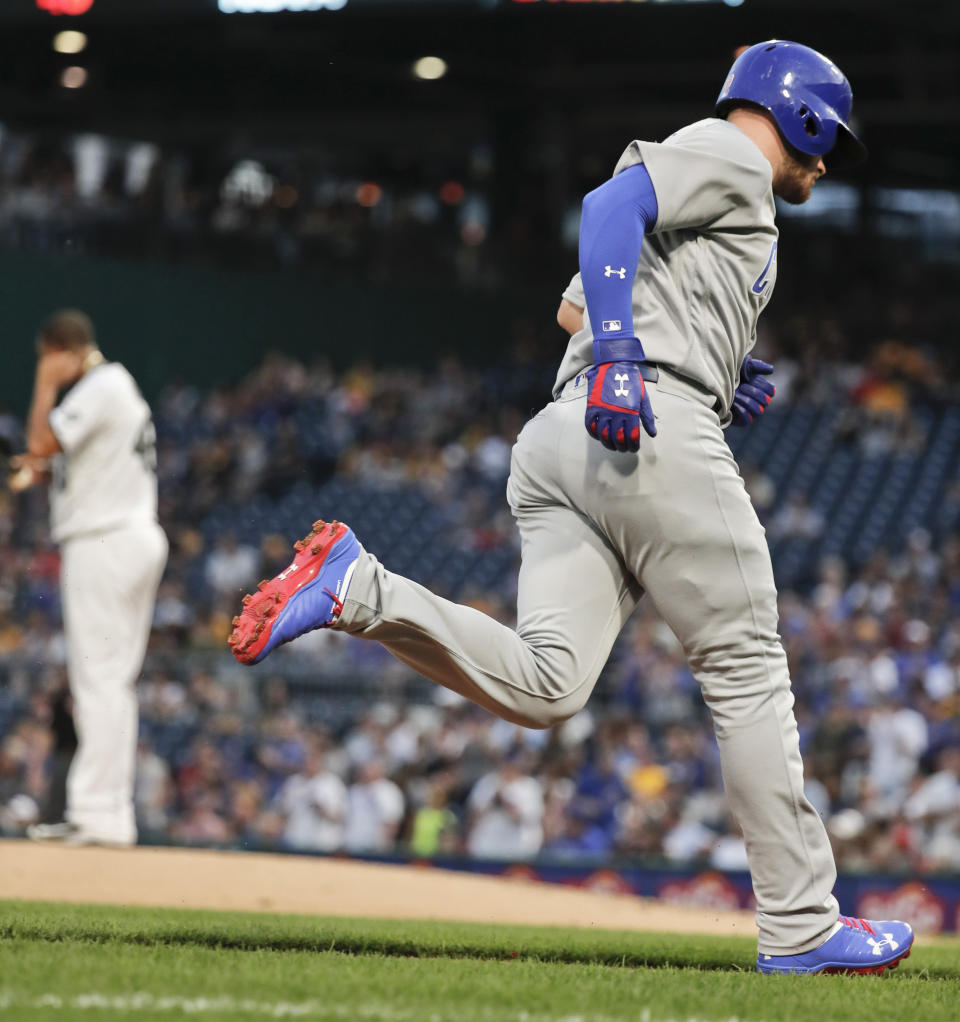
609,271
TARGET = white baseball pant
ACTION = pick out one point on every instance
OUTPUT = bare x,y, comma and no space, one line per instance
108,586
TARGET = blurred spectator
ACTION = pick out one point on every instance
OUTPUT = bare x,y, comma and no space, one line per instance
231,567
599,793
933,810
202,821
897,736
153,791
15,805
434,828
506,811
796,520
375,807
314,804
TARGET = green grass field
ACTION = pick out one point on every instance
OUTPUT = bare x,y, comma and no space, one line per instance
89,962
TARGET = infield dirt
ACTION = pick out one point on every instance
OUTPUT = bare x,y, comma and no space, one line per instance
257,882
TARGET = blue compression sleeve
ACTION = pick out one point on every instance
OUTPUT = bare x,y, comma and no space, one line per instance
615,217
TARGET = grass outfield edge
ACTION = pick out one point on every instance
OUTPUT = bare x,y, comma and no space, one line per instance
241,931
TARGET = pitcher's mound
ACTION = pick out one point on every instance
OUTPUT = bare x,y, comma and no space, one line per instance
256,882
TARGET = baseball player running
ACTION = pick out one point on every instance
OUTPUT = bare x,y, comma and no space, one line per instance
99,445
678,257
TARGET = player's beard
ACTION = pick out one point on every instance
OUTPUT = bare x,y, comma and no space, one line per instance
796,179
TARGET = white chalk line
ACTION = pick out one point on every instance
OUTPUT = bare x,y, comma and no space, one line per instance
142,1002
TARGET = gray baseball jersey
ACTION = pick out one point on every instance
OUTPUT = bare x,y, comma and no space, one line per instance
708,268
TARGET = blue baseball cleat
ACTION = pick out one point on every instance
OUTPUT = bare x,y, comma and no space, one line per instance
306,595
855,946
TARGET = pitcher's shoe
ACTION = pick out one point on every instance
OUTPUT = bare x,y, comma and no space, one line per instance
854,946
308,594
81,838
51,831
70,834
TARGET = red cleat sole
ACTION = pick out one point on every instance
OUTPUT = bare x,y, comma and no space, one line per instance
252,626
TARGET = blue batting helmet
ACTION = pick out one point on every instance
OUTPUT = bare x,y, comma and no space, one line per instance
807,95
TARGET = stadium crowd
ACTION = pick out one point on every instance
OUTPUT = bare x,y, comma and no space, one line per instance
332,745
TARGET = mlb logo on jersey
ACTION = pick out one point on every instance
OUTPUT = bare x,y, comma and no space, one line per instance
610,325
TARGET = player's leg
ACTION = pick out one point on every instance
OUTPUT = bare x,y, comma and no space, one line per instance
573,598
104,712
108,586
146,546
701,554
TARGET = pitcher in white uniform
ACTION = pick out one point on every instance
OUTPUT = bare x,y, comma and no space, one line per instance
677,260
97,448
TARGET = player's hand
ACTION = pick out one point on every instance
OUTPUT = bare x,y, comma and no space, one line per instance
617,405
754,393
58,368
26,470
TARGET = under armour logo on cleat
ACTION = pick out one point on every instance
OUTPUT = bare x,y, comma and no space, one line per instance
288,571
609,271
878,945
622,390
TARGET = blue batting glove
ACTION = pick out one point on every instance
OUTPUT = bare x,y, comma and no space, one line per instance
617,404
754,393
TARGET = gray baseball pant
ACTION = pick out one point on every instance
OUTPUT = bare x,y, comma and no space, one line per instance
598,529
